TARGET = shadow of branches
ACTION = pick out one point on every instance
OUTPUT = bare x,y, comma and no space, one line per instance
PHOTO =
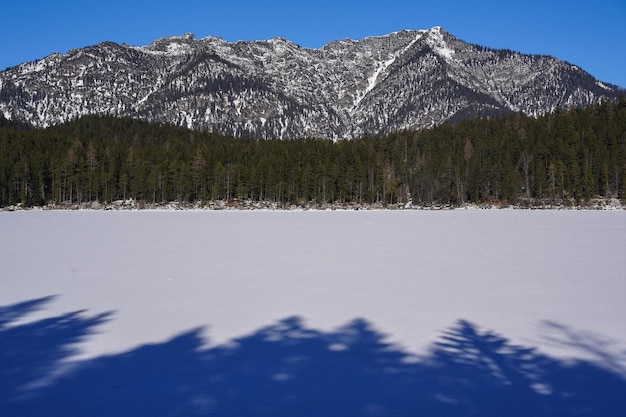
32,353
288,369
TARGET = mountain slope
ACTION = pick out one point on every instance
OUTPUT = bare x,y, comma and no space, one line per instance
277,89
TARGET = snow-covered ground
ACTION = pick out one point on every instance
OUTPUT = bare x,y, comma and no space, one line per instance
552,280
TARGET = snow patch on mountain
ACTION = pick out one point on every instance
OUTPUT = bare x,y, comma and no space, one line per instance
381,67
437,42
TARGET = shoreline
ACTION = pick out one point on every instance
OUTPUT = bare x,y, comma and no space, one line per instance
599,204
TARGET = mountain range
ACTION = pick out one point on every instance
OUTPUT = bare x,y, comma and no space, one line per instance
410,79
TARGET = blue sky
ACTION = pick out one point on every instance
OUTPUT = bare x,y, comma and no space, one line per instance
590,34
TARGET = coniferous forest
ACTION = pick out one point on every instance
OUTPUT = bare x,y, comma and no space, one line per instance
568,157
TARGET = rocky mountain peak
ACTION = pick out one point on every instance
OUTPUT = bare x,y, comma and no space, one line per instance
278,89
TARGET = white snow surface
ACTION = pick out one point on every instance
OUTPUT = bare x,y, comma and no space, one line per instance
412,273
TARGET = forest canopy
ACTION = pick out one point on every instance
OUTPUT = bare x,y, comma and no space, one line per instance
567,156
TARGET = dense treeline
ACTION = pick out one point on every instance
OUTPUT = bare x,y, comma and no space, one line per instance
566,156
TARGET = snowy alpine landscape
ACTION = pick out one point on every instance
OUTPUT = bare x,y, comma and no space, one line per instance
351,313
312,209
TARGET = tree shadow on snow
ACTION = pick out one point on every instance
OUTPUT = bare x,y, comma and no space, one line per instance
32,353
287,369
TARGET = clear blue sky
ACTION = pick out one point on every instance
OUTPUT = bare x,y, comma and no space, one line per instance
590,34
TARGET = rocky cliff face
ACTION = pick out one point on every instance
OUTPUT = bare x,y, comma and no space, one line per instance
277,89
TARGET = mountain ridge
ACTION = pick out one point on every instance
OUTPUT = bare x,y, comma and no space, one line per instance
410,79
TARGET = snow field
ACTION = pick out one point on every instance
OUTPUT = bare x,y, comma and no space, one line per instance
412,274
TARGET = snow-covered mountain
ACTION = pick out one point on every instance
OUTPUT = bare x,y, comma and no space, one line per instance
277,89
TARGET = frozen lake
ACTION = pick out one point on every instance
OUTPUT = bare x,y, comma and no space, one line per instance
552,280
